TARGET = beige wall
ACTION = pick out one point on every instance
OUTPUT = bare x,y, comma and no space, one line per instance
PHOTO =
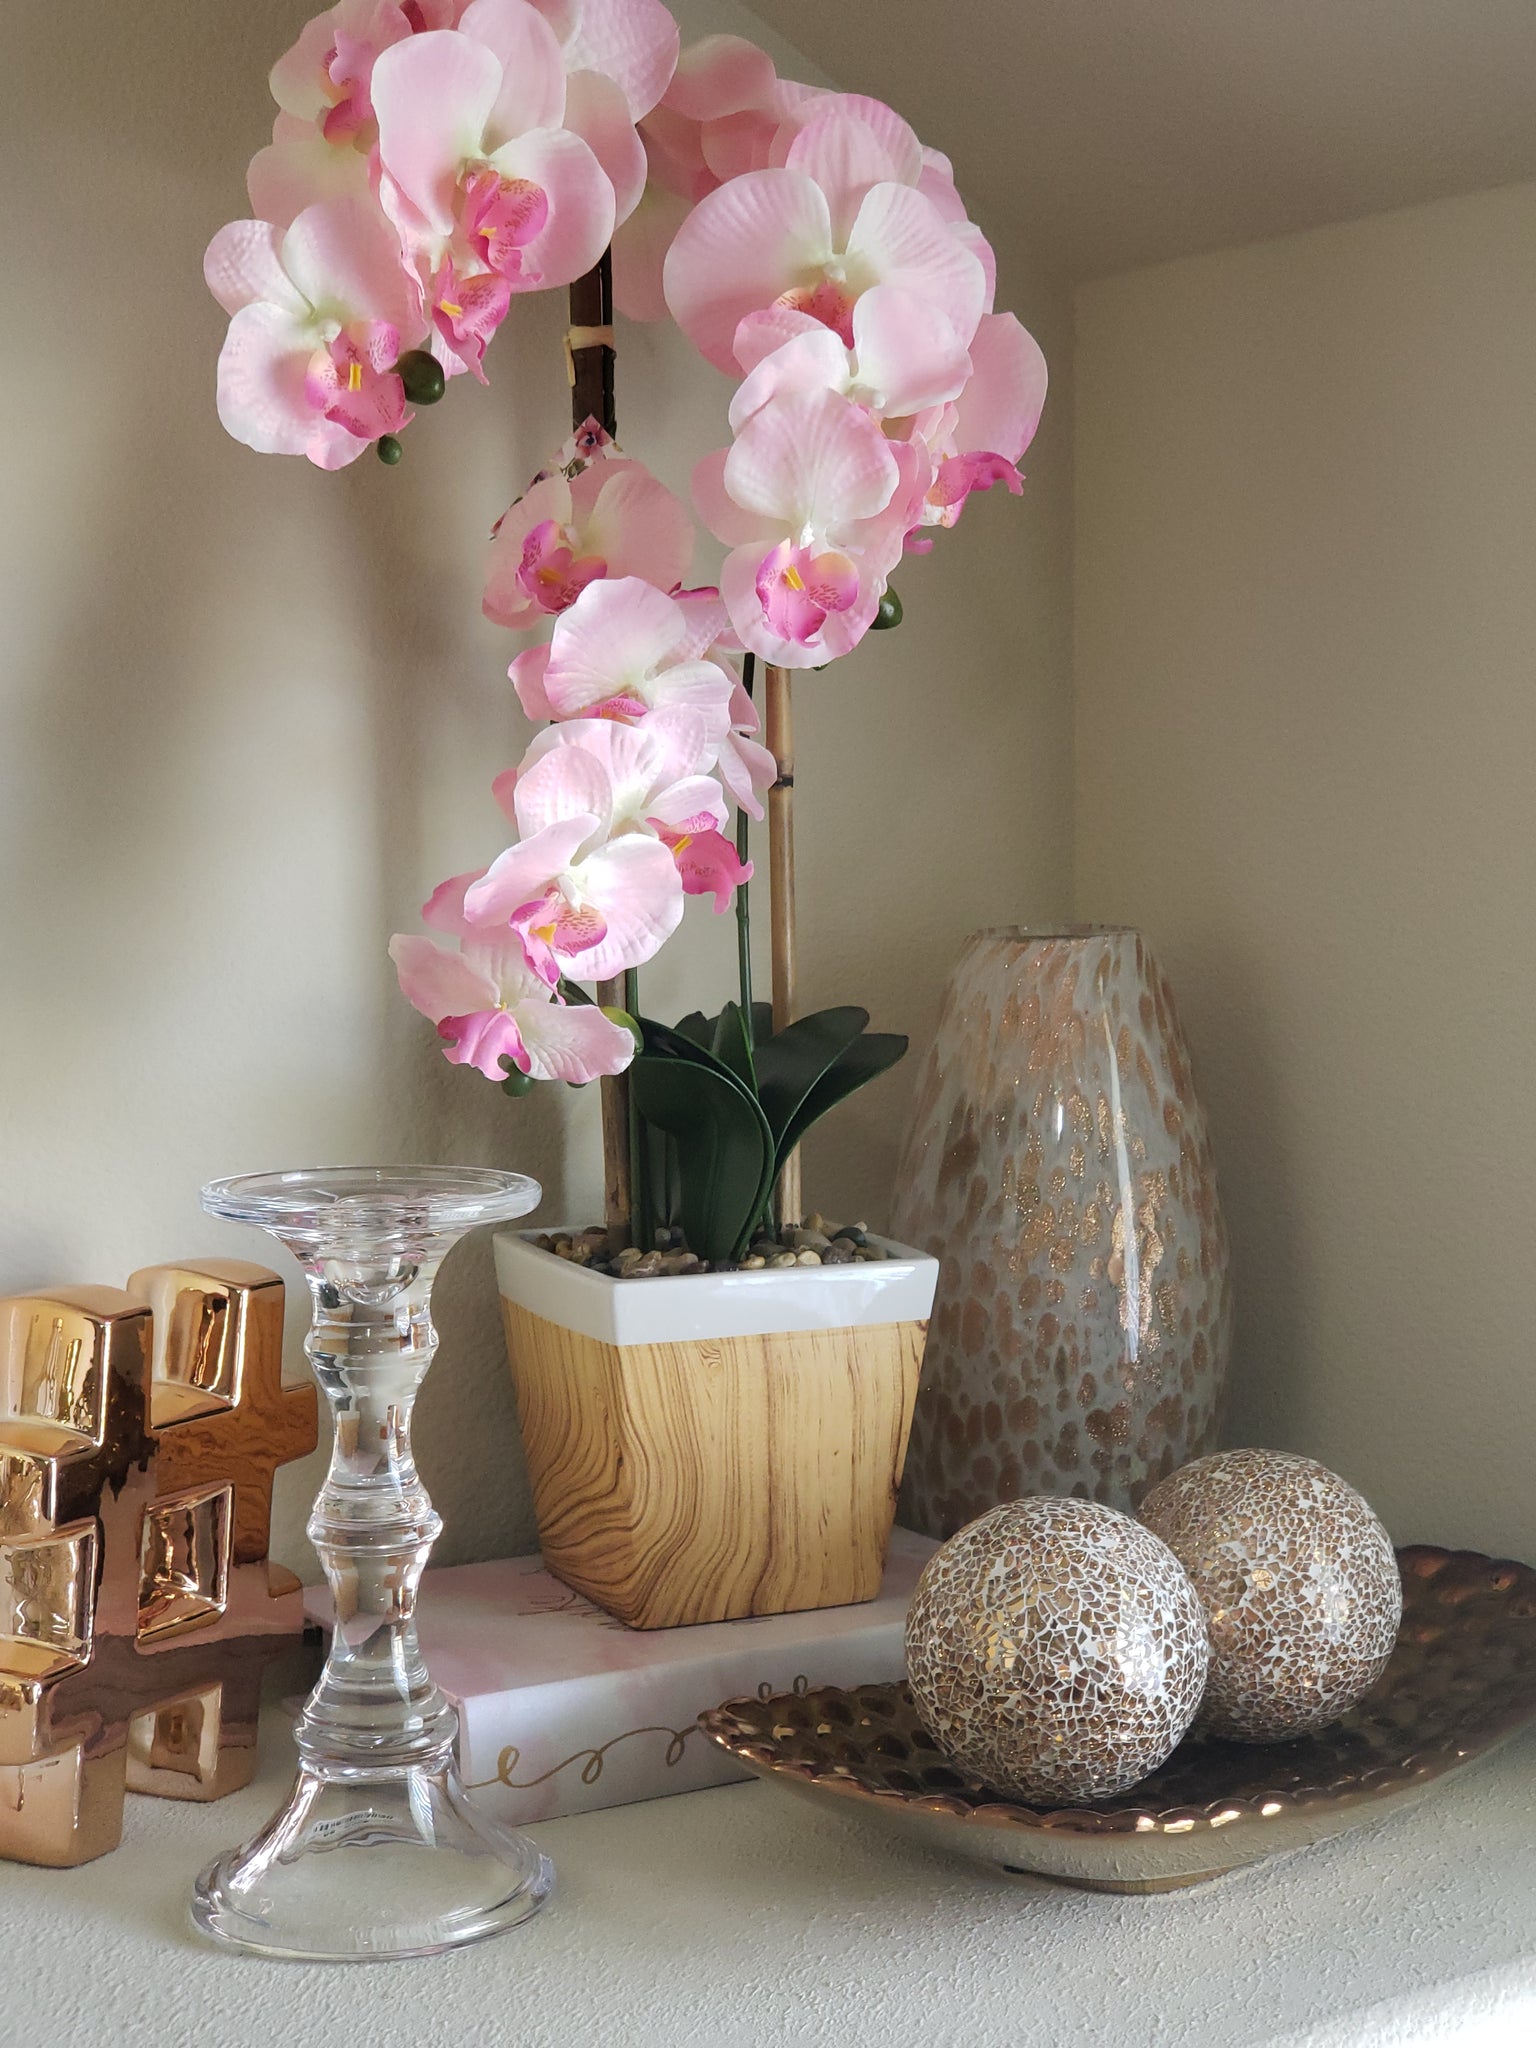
1306,761
251,714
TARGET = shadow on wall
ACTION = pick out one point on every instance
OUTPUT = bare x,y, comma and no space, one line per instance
232,680
1240,1079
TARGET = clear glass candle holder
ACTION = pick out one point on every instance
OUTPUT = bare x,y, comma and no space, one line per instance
377,1851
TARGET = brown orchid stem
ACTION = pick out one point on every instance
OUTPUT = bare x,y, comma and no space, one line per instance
592,398
781,869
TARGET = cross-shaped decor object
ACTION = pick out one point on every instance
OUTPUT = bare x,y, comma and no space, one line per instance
140,1430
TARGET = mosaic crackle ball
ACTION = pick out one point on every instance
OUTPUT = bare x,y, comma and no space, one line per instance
1300,1588
1056,1649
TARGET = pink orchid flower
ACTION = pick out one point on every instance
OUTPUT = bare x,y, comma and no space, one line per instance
657,784
979,439
323,81
491,194
633,42
813,501
612,519
494,1008
619,57
324,137
840,214
593,901
905,357
623,649
320,315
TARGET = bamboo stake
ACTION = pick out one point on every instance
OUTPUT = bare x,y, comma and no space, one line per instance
589,349
781,868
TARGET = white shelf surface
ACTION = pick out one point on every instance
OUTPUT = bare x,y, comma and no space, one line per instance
747,1915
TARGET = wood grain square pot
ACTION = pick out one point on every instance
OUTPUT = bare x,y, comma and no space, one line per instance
713,1445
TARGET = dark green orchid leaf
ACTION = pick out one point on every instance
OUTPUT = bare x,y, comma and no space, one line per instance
790,1064
731,1046
722,1143
697,1026
668,1041
872,1054
762,1023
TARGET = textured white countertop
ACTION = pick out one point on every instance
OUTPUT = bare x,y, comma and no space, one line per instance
747,1915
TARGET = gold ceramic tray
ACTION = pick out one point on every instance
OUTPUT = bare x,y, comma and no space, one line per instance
1463,1676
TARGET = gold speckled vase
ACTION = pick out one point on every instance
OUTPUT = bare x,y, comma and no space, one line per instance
1060,1169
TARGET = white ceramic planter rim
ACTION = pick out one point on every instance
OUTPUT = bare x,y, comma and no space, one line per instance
693,1307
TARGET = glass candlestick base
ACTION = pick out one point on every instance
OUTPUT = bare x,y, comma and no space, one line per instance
377,1851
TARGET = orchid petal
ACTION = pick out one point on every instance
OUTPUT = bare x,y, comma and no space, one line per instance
243,266
812,462
695,804
298,79
681,740
740,249
433,95
936,181
846,157
596,110
638,526
437,982
532,89
579,224
901,238
909,355
285,177
572,1041
808,362
704,620
738,143
699,686
747,770
824,152
759,334
633,883
840,631
487,1040
719,75
616,633
708,865
466,314
565,782
633,42
999,409
506,598
444,908
261,375
524,871
345,258
970,237
719,511
528,673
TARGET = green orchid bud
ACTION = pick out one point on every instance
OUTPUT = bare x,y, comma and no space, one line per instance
422,376
388,450
617,1016
518,1083
889,613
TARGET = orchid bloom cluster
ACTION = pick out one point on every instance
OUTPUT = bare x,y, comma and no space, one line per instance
432,160
620,801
